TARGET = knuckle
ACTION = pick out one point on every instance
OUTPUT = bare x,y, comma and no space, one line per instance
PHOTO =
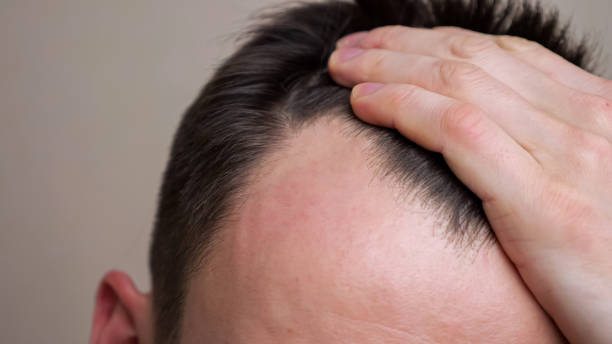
589,151
402,96
470,46
463,121
452,30
383,37
598,110
375,61
369,65
454,74
514,43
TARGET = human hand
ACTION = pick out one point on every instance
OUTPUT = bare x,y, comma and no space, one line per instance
527,131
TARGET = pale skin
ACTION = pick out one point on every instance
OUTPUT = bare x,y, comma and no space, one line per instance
526,131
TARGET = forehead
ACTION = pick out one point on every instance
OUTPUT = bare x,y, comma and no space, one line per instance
321,247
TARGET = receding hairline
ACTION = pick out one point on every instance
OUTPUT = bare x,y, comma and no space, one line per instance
405,191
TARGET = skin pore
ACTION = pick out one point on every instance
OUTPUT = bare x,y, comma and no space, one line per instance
324,250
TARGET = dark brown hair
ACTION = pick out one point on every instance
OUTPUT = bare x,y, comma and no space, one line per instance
278,80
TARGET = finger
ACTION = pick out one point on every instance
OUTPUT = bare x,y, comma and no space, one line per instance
460,80
585,100
551,64
588,111
451,42
478,151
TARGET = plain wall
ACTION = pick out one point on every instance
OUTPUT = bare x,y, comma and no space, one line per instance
90,96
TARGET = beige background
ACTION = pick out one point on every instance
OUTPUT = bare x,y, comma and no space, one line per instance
90,95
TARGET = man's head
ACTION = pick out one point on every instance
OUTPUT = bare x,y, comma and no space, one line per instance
283,218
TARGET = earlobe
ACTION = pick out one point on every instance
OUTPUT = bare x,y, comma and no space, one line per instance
122,313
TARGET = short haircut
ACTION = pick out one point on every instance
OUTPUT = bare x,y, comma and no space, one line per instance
278,81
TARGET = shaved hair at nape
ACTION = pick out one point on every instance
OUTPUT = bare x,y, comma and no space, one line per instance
277,82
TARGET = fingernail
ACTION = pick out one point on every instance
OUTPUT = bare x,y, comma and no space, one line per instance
366,89
349,53
351,40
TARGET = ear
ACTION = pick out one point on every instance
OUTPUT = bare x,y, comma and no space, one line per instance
122,313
